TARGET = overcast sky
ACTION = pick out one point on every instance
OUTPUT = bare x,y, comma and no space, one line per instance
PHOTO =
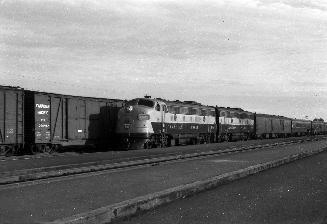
267,56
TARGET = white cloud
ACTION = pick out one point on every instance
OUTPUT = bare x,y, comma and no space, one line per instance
173,49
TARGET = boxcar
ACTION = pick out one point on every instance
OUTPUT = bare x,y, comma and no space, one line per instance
54,120
301,127
271,126
235,124
11,119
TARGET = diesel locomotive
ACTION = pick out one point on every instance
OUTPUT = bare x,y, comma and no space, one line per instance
147,123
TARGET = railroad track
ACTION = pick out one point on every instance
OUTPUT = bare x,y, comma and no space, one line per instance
133,162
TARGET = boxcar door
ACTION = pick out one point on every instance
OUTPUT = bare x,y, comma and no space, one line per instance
81,132
57,122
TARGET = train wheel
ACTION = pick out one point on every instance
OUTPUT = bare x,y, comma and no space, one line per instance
193,141
148,145
172,142
169,141
34,149
2,150
176,140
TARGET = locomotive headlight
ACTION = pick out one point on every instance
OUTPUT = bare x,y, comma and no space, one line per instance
143,117
129,108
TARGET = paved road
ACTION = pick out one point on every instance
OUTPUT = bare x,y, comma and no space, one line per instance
12,164
294,193
62,197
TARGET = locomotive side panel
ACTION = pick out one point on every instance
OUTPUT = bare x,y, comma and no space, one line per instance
193,120
190,122
235,124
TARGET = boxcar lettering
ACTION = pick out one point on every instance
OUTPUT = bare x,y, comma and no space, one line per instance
43,106
43,112
44,125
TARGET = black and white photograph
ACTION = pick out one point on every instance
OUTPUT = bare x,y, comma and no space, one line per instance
163,111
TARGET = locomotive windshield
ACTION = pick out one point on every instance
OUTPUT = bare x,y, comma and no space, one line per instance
147,103
141,102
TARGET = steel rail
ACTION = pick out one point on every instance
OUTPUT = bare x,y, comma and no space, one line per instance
68,170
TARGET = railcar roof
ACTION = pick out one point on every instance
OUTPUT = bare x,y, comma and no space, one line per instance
74,96
301,120
11,87
273,116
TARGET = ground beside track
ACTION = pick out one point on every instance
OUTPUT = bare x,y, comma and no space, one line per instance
68,159
293,193
62,197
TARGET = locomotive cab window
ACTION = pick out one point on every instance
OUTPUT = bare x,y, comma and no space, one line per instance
184,110
131,103
164,108
147,103
157,107
176,110
243,115
213,113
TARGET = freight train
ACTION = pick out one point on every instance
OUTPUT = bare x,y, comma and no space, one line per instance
32,121
148,123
